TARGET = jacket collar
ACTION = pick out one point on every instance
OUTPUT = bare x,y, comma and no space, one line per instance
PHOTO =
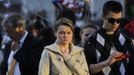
55,48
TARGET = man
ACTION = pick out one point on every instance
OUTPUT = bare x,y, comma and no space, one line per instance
109,52
22,54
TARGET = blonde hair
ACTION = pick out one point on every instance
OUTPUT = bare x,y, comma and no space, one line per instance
64,21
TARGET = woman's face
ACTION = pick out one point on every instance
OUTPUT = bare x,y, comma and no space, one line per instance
64,34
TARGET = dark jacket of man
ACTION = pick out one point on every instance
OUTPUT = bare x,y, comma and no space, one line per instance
28,56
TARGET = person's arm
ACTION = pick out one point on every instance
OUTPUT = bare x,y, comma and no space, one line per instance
114,57
44,65
95,68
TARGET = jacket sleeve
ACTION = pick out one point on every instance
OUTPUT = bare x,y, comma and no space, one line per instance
44,65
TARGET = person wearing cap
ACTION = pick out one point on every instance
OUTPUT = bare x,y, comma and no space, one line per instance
62,57
109,51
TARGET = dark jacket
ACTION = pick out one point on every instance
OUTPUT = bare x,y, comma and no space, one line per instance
28,56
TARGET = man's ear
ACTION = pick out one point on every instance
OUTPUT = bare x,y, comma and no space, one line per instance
19,28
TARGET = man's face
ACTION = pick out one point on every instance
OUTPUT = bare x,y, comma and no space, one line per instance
11,31
112,21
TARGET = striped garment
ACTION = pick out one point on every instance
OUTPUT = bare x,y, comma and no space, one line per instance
100,46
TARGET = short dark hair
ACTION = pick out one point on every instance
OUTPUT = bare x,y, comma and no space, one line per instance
112,6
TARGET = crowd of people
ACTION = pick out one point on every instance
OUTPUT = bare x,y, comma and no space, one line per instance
35,48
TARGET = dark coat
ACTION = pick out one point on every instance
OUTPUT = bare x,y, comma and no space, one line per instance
28,56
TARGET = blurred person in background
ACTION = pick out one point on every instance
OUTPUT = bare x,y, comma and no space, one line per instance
36,25
80,8
23,52
87,31
47,36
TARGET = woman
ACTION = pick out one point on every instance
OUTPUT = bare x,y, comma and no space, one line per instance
62,57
